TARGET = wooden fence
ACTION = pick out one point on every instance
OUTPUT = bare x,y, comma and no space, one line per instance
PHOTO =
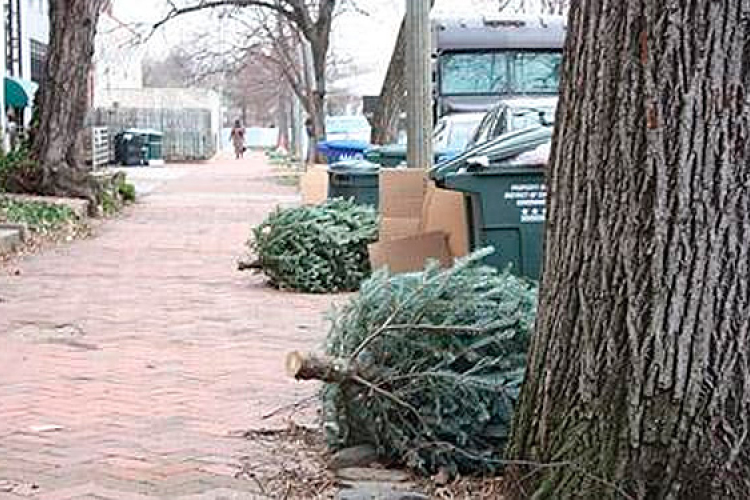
188,134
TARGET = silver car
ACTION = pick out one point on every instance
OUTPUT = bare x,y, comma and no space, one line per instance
514,114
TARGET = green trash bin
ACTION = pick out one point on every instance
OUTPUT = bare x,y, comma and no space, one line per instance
155,147
505,198
356,179
393,155
505,208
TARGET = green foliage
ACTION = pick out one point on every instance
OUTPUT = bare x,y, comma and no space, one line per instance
38,216
115,192
16,169
109,202
316,249
126,191
447,355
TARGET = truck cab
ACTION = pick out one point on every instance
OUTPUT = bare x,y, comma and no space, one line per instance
480,59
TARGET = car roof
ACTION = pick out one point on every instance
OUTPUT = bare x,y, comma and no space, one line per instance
527,102
463,117
346,119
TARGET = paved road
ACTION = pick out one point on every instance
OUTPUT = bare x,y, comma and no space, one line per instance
127,360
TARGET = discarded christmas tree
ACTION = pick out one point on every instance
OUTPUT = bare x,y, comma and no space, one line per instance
427,366
316,249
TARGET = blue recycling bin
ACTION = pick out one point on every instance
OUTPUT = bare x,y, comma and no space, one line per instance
339,150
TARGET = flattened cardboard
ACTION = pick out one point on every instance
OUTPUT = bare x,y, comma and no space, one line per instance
394,228
411,254
402,192
314,185
445,211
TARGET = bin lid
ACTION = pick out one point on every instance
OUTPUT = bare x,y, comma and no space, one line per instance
399,150
345,144
389,150
495,153
144,131
356,167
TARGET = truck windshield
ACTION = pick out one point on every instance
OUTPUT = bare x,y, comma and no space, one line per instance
500,72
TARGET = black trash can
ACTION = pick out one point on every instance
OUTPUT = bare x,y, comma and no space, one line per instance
356,179
130,149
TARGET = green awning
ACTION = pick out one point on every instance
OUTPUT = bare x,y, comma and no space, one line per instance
19,93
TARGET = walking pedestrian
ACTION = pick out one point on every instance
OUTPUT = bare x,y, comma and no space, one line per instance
237,136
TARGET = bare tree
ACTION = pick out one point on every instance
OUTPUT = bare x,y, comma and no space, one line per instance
176,70
63,99
638,383
392,101
556,7
311,20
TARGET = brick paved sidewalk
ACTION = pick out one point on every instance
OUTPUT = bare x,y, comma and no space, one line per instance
127,361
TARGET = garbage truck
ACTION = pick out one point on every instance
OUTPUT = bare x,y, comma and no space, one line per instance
479,58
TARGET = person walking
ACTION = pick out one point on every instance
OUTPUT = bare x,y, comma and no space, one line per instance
237,136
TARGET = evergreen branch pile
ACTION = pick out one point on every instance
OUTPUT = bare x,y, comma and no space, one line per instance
316,249
427,366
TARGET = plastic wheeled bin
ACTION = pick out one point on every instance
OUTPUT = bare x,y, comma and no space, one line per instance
130,149
154,142
505,196
394,155
336,151
505,209
356,179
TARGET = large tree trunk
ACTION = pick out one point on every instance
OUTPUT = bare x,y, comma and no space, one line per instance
638,374
282,119
63,99
392,101
319,48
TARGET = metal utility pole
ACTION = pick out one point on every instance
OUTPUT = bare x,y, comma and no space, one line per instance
418,84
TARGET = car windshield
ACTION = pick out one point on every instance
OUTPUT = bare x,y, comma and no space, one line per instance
344,124
460,135
500,72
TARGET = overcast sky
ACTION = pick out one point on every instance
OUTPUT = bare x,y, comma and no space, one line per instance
365,40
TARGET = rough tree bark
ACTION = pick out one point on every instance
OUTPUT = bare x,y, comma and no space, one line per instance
638,376
392,101
63,99
283,121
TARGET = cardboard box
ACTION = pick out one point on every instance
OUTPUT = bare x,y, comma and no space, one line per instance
314,185
419,223
412,253
445,211
395,228
402,192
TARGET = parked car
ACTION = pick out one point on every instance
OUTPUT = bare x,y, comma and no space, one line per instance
453,132
449,138
503,149
347,128
513,114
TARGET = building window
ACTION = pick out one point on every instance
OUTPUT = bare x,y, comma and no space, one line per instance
38,57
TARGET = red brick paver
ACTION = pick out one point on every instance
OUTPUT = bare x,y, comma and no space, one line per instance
128,361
